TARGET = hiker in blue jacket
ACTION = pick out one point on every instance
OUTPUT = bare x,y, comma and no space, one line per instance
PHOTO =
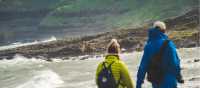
170,59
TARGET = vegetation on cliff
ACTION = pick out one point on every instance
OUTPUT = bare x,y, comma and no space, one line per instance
28,20
183,30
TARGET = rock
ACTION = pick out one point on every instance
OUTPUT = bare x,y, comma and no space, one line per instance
65,58
196,60
83,58
194,79
49,60
129,39
189,61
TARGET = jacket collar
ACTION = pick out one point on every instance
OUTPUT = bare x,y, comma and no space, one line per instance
112,57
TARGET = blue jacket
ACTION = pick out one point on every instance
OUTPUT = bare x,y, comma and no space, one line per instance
170,59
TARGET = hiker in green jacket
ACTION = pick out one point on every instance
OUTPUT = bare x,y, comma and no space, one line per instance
119,77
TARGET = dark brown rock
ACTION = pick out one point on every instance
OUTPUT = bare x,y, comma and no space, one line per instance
130,39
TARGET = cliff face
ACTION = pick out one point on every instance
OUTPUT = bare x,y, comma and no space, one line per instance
183,30
26,20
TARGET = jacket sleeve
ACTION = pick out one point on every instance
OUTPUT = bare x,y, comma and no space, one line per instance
125,76
142,68
174,63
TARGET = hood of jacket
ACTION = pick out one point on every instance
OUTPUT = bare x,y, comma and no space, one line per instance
156,34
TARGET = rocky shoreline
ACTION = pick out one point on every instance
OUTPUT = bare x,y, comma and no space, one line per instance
183,30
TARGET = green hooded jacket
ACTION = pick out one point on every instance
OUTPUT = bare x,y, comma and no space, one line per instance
119,70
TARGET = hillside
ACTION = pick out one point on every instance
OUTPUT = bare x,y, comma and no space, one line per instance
183,30
22,20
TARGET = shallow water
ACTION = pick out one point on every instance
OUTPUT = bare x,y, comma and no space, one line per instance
24,72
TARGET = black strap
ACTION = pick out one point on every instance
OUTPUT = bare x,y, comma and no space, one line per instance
104,65
162,49
109,67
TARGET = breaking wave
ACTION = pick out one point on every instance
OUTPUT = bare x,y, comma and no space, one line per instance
43,79
19,44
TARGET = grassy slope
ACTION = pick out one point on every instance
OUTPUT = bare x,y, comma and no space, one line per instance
115,13
75,17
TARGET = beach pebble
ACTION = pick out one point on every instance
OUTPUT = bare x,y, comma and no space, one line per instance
194,79
196,60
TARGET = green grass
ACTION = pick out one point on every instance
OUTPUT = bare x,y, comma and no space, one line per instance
135,11
139,11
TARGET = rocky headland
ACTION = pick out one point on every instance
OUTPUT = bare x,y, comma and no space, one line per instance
183,30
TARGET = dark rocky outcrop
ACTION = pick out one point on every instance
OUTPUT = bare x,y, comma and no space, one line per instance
183,30
196,60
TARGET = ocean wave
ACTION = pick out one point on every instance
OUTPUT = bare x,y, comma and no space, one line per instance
19,59
43,79
19,44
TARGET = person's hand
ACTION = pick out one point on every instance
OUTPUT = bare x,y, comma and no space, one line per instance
180,79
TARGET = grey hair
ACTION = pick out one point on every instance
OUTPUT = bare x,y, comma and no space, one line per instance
160,24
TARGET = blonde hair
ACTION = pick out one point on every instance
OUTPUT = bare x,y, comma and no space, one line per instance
113,47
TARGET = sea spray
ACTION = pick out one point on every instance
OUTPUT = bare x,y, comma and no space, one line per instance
19,44
43,79
19,60
31,73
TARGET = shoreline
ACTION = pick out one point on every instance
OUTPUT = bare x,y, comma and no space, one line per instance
183,31
99,56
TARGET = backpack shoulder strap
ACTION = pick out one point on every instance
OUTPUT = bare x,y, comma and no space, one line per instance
104,66
160,52
165,43
109,66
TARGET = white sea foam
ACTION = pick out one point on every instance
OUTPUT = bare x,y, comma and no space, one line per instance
19,44
43,79
22,72
20,60
85,84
